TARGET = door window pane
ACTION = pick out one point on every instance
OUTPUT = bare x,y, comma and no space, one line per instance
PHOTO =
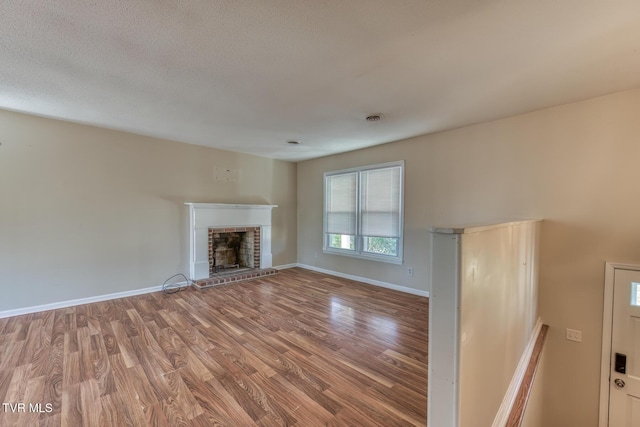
635,294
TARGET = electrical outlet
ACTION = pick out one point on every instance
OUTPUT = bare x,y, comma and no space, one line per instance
573,335
410,271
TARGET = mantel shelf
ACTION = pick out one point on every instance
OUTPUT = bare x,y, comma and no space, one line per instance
229,206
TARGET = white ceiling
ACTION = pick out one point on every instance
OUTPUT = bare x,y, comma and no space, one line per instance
248,75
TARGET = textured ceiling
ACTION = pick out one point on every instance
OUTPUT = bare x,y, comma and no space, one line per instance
250,75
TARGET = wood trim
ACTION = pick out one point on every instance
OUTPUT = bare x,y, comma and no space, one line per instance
520,403
518,377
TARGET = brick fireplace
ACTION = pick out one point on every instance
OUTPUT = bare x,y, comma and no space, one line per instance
229,242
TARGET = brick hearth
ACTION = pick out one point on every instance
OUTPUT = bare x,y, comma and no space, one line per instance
232,276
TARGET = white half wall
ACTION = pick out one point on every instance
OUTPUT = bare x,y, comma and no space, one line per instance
483,313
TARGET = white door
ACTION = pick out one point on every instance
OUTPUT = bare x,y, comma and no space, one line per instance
624,383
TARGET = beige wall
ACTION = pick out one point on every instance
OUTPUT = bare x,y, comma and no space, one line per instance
575,166
87,211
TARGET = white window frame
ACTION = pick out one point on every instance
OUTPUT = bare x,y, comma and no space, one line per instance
359,252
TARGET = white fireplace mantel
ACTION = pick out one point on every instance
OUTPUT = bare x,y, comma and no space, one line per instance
203,216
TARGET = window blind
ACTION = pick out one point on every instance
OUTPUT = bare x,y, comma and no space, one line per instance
341,203
380,202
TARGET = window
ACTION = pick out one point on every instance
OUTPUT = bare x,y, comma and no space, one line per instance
363,212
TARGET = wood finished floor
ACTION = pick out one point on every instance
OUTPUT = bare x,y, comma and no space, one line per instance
295,349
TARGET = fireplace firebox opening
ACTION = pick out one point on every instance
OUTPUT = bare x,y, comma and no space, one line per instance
233,248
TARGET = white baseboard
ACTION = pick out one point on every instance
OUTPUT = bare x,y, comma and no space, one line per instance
87,300
285,266
367,280
510,396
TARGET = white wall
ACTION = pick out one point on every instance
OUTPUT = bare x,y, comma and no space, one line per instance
498,284
575,165
87,211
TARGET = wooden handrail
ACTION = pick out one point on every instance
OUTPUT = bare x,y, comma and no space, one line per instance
520,404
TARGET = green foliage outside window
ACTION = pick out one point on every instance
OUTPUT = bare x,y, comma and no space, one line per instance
376,245
382,245
335,241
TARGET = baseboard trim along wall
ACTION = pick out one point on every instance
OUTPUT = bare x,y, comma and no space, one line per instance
285,266
80,301
98,298
367,280
510,396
